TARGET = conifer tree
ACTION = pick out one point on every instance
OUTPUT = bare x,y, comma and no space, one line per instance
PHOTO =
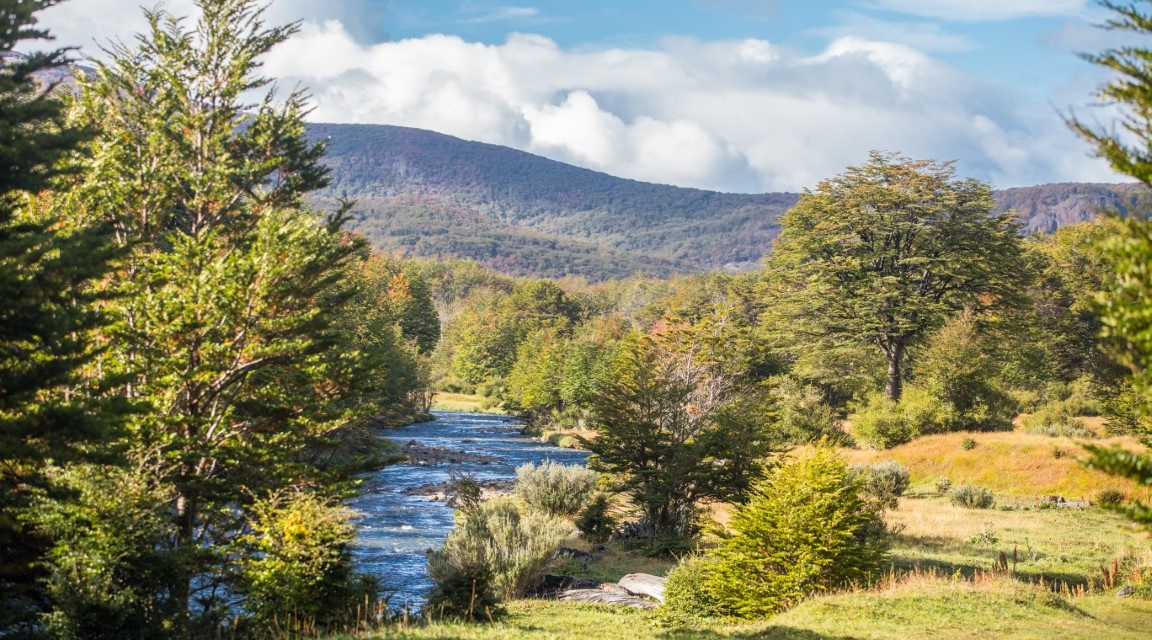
46,304
228,309
1126,302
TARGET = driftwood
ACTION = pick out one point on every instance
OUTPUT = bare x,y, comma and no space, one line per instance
606,597
643,584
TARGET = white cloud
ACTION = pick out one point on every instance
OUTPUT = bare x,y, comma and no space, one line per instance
981,10
926,36
738,115
503,13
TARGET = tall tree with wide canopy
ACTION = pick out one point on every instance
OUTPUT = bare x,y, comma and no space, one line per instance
882,254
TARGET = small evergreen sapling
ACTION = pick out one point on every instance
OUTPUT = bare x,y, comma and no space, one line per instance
806,529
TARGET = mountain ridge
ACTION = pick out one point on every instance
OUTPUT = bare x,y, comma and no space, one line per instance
425,193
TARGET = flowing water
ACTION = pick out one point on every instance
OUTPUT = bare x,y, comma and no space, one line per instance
397,528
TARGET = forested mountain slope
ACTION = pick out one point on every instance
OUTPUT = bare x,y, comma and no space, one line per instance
429,194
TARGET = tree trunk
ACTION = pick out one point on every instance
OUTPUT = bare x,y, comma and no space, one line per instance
894,386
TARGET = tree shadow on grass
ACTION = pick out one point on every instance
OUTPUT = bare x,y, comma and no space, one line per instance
989,561
771,633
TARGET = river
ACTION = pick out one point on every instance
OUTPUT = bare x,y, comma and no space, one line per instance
397,528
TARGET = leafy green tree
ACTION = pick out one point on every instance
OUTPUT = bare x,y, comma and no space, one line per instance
884,253
806,529
1126,302
674,432
228,308
47,305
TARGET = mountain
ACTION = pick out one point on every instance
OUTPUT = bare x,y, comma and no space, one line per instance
429,194
426,193
1046,207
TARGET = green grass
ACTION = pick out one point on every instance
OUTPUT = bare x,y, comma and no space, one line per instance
444,401
1059,545
922,607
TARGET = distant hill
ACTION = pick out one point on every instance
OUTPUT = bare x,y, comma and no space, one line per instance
429,194
1046,207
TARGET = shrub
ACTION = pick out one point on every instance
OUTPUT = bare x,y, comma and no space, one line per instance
802,414
299,572
1056,420
967,444
494,552
1110,497
555,489
595,522
686,595
806,529
880,423
884,424
942,486
109,569
984,536
971,497
466,490
883,482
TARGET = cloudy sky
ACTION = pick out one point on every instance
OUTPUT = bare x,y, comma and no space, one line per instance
733,95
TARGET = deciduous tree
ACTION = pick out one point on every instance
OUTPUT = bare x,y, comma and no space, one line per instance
883,253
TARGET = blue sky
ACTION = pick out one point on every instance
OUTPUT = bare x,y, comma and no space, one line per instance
734,95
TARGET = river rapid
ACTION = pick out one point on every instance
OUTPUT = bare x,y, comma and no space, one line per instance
396,529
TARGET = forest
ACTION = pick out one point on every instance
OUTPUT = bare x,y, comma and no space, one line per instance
196,362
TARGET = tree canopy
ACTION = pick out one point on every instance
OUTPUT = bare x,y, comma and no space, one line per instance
882,254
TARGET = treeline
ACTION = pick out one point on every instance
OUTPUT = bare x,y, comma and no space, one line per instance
1023,339
190,358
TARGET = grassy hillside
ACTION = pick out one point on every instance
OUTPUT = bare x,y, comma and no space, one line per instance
1016,465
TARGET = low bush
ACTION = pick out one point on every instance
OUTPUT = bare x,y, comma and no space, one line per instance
807,528
881,424
595,522
555,489
968,444
299,572
942,486
1056,420
494,553
883,482
1110,497
802,414
971,497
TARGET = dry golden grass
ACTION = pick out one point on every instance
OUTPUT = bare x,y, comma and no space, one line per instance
1007,463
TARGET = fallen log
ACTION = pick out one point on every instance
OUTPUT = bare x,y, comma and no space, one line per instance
606,597
644,584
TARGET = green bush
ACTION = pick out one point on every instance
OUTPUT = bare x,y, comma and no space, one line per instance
1056,420
686,595
881,424
802,414
806,529
495,552
971,497
555,489
298,573
883,482
595,521
110,568
968,444
1110,497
